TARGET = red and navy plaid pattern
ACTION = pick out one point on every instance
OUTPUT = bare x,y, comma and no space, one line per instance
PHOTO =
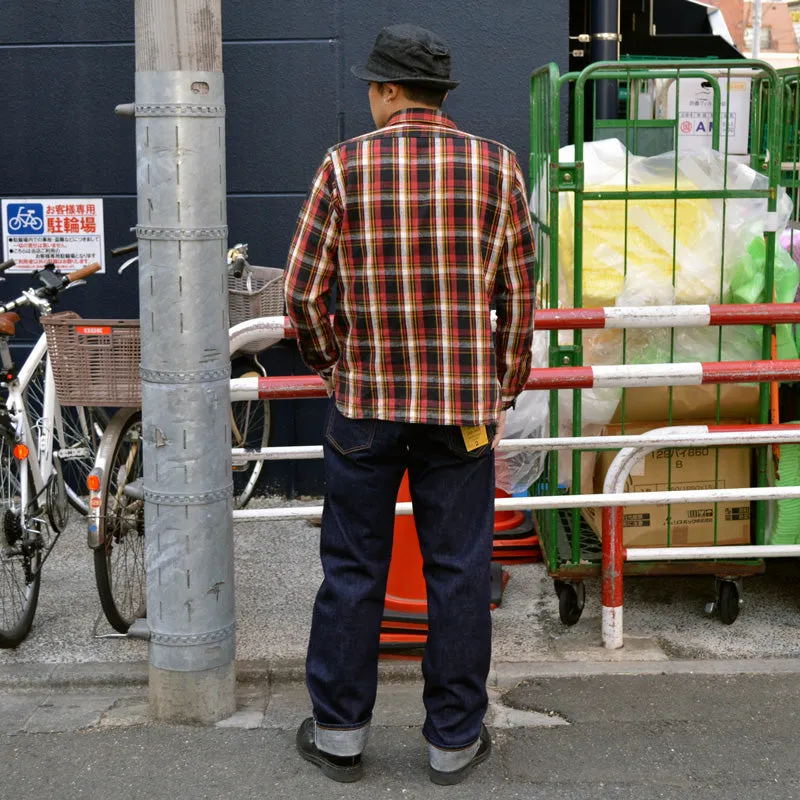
420,227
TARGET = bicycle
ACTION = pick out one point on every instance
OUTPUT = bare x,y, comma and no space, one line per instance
39,441
116,518
28,220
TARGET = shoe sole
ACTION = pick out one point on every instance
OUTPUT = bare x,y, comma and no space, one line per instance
338,774
452,778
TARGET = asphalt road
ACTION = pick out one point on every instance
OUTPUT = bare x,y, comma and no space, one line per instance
604,736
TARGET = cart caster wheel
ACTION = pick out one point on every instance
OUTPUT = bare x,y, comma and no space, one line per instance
729,602
571,598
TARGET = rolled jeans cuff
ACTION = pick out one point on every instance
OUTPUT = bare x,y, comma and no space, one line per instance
451,760
341,742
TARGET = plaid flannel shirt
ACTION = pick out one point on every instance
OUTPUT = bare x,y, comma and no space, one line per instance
420,227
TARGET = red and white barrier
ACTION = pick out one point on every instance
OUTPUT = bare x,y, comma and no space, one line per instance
267,331
630,376
615,555
721,435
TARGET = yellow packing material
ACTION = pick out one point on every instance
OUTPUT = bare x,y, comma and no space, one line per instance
641,232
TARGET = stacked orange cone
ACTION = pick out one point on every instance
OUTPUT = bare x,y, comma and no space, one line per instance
405,617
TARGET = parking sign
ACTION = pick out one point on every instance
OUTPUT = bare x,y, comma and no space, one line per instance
67,232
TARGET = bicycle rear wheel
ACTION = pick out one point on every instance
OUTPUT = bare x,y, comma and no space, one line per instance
20,558
119,561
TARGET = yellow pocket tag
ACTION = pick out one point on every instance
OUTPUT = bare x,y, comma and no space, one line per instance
474,437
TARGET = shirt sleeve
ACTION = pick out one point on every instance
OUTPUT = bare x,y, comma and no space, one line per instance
515,296
311,271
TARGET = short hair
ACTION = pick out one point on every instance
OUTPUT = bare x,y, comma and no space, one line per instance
427,95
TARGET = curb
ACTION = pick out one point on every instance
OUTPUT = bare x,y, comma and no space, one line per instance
503,675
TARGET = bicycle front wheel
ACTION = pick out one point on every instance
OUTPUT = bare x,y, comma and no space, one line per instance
20,558
82,430
119,561
250,429
76,437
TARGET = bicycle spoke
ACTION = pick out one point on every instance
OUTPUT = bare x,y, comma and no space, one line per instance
19,577
119,565
78,434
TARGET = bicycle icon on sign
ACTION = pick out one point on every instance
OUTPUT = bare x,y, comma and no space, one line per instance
25,218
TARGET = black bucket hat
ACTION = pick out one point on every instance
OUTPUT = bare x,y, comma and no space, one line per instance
408,54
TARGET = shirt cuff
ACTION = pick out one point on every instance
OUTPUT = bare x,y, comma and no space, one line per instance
508,401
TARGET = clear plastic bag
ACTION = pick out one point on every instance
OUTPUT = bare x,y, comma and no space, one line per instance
664,243
529,419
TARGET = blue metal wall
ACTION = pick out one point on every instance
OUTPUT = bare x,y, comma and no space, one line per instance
289,96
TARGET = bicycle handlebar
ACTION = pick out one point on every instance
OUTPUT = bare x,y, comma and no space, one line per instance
125,249
83,272
52,283
7,264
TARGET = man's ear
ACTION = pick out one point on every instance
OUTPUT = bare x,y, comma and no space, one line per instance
390,91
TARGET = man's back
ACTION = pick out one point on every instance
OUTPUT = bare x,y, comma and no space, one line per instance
431,225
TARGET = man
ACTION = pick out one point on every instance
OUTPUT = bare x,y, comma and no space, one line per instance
419,226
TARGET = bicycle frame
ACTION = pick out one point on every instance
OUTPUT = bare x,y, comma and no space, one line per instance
39,443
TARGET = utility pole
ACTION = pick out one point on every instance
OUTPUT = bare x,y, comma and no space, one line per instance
182,233
756,49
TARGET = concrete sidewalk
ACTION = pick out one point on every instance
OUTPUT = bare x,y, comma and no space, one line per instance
278,573
677,735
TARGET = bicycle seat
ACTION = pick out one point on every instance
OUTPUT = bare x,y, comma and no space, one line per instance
8,323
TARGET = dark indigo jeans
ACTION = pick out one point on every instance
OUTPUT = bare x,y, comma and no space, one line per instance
453,496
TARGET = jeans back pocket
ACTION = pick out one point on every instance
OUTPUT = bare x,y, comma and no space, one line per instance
349,435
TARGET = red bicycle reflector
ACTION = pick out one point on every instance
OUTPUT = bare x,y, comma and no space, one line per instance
21,452
93,482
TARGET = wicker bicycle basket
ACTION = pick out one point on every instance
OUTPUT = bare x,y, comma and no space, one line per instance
257,293
95,361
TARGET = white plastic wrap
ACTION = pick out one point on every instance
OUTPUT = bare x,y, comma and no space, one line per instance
516,471
663,243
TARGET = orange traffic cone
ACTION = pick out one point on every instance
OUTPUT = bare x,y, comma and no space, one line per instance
405,589
405,620
515,539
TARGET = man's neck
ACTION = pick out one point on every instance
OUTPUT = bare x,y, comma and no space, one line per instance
405,105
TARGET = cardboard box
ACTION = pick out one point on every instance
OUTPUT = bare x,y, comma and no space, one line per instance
651,403
696,112
692,468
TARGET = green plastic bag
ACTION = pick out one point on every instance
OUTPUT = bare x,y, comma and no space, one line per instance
747,286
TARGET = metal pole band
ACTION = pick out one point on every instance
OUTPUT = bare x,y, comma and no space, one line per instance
178,110
192,639
607,37
196,499
200,376
196,652
182,234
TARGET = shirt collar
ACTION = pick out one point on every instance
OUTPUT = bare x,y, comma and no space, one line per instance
420,116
